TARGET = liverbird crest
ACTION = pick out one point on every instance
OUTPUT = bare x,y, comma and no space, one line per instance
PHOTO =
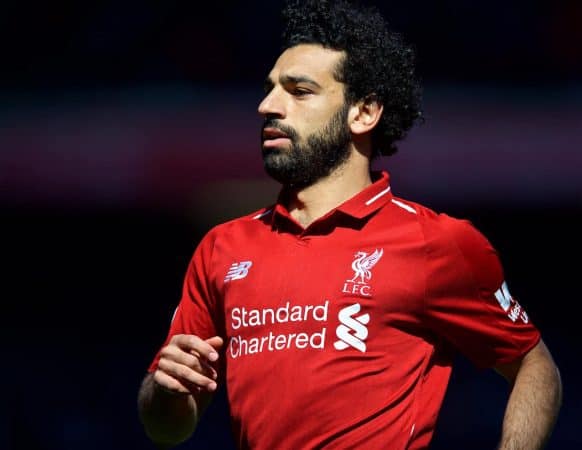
363,264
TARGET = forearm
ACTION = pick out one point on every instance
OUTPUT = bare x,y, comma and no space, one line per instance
168,419
533,405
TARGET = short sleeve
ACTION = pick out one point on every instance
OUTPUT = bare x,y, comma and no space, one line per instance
197,312
467,299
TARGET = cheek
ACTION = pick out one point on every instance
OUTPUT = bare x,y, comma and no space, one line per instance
308,125
309,120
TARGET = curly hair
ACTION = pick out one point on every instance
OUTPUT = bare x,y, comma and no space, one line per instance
378,63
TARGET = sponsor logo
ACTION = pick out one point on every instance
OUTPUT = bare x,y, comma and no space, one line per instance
503,296
238,270
352,331
242,318
362,267
510,305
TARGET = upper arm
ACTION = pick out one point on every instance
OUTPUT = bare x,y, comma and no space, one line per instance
467,299
537,359
197,312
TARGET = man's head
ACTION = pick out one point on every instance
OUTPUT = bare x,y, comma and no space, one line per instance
339,60
305,133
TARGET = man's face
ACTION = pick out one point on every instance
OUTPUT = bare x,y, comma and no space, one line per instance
305,135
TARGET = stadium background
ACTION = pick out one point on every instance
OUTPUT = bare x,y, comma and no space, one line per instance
129,128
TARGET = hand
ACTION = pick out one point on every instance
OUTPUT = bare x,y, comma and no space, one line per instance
185,365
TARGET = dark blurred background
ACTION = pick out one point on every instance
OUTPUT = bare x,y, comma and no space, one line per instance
129,128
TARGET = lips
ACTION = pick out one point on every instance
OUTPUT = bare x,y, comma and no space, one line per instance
273,133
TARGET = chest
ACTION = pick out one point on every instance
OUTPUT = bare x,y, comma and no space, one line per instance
352,280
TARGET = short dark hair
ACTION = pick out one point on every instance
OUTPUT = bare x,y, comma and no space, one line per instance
378,62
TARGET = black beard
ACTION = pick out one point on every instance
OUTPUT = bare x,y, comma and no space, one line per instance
304,164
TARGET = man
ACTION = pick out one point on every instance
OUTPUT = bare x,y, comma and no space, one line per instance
332,317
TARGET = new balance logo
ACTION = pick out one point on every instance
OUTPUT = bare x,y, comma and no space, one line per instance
352,331
238,271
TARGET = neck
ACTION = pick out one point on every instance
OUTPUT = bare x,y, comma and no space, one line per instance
312,202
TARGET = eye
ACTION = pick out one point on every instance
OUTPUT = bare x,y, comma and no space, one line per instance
300,92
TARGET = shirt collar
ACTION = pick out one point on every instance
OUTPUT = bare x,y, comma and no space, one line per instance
370,199
361,205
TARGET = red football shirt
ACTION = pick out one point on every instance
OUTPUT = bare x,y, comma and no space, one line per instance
341,335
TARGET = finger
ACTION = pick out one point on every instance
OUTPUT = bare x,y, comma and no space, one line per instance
184,374
216,342
175,387
195,345
169,384
177,355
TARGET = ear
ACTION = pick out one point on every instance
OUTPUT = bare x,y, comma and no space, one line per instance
365,114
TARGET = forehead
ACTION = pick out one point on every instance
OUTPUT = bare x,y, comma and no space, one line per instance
311,60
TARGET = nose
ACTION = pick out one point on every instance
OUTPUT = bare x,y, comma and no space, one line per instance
272,105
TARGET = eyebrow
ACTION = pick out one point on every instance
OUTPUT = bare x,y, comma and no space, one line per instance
287,79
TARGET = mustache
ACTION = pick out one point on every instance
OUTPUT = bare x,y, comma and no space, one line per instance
274,123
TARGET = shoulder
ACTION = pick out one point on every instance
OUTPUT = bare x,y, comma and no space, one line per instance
439,226
241,225
450,238
223,237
